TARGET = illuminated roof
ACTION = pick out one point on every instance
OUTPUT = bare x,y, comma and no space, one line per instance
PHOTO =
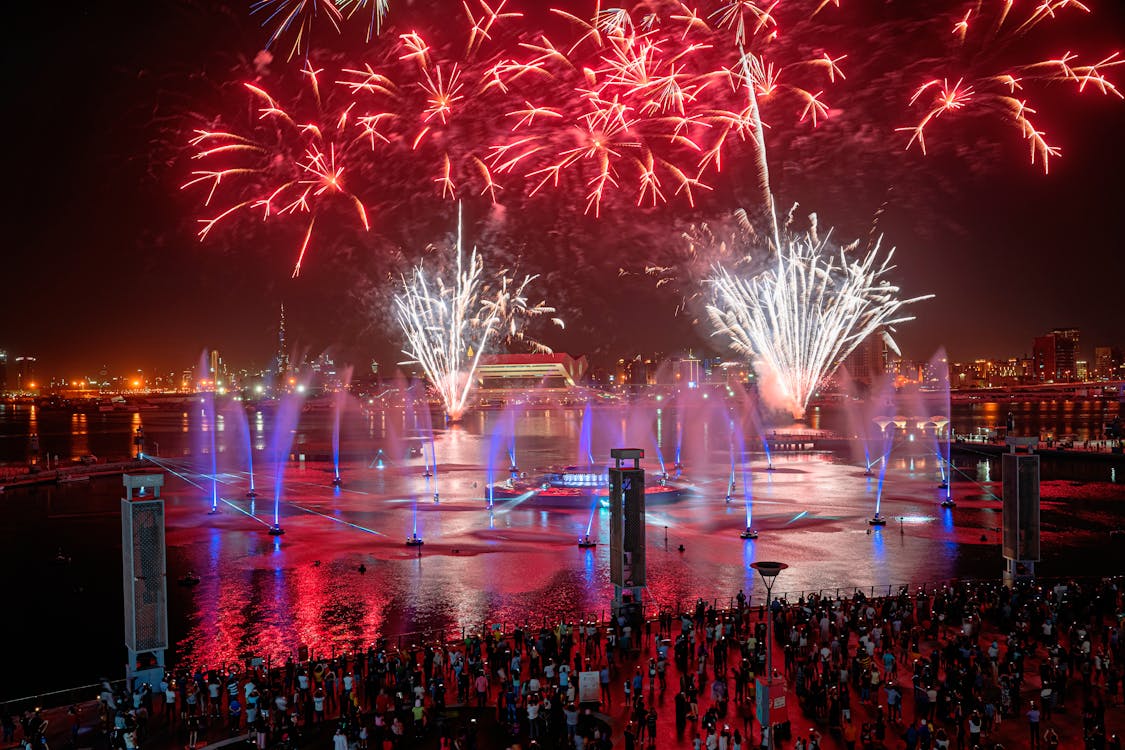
498,367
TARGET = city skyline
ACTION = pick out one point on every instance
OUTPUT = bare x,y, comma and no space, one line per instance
134,272
1088,361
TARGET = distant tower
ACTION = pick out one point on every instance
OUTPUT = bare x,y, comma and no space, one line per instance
282,349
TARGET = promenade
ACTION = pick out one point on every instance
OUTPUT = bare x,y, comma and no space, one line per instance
863,672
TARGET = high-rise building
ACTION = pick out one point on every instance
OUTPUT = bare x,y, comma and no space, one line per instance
690,371
282,348
3,371
1043,359
870,360
25,373
1107,362
1066,353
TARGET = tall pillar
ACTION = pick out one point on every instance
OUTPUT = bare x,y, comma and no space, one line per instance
1021,510
627,534
144,576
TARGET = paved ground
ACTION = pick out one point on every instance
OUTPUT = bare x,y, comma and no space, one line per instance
479,727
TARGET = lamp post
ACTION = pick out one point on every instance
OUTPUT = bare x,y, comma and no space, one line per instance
769,571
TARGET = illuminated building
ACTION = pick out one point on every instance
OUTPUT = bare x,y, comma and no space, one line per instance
530,371
25,373
1107,363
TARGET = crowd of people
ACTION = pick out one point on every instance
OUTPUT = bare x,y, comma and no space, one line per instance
953,667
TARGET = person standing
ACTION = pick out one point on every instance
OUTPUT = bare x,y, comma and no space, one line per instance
193,731
482,690
1033,725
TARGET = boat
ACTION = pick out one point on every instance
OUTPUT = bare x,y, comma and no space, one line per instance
189,579
510,489
578,486
69,478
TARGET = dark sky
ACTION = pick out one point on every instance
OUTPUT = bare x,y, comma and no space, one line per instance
102,266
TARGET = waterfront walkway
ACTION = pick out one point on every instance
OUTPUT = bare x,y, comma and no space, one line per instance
864,672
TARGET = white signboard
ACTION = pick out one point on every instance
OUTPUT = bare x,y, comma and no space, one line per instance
589,688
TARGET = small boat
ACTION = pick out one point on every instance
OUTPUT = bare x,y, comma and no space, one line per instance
69,478
189,579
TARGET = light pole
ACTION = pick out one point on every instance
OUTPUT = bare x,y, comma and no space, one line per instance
769,571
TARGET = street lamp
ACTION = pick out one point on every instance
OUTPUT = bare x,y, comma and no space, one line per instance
769,571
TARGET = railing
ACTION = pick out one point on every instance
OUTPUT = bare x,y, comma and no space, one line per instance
67,697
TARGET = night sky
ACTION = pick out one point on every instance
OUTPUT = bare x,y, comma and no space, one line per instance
102,264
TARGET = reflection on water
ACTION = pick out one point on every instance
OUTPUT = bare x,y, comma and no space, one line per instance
267,596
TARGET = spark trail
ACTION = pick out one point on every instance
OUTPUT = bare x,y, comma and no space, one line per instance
811,306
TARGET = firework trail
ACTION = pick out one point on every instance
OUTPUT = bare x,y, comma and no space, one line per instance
293,22
283,166
980,80
448,325
614,108
378,11
296,19
514,313
645,104
642,105
807,311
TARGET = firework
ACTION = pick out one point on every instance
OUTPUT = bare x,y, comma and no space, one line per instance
378,10
645,106
448,324
284,166
986,83
515,313
296,19
809,309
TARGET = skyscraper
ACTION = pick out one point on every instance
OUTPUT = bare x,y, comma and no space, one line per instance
1043,359
25,373
282,348
1107,362
868,361
1066,353
3,371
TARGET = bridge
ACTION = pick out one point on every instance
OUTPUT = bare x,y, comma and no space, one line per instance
1106,389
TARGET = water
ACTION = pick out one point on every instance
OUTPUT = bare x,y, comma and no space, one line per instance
265,596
